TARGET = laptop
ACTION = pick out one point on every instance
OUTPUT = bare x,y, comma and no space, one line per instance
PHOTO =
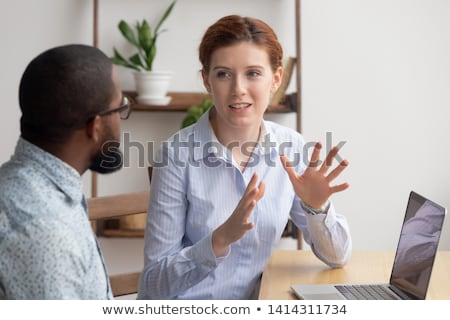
413,262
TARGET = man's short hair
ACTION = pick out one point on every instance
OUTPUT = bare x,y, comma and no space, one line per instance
61,90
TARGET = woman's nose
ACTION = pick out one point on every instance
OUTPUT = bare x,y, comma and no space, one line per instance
238,87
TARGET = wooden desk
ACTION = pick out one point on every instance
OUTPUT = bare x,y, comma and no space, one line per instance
287,267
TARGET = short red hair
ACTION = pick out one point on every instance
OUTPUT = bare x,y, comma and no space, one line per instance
234,29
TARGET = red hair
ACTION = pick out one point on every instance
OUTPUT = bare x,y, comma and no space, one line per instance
233,29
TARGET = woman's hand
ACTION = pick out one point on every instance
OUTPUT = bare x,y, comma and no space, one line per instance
313,186
237,224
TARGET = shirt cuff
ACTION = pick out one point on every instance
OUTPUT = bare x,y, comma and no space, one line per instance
314,211
329,219
204,253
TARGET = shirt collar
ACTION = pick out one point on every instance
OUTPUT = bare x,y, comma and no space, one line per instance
65,177
210,145
206,141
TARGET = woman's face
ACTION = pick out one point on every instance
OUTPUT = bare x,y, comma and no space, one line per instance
240,81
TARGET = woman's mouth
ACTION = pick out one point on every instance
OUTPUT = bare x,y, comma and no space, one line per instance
239,106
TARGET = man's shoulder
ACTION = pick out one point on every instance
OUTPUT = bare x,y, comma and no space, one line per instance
26,194
20,179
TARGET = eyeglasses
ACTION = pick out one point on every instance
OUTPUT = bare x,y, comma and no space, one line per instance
124,109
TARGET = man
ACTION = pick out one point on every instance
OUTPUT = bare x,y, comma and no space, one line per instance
71,106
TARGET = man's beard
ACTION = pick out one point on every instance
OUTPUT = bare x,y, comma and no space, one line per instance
108,159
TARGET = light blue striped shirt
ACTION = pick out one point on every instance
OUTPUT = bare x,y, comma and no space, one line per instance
47,247
196,185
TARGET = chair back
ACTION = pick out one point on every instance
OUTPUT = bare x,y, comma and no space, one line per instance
107,207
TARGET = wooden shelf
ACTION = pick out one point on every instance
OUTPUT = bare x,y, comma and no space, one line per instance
123,233
181,101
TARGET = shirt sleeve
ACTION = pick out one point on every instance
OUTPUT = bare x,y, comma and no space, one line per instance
327,234
171,266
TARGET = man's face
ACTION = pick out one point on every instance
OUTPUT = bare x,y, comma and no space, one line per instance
109,157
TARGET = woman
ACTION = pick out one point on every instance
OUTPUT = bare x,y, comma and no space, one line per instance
221,199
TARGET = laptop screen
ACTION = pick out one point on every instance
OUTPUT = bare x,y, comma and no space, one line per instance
417,246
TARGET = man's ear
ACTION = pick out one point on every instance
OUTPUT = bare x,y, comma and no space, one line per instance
94,128
206,81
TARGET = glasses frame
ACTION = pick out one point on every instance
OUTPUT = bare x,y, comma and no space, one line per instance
127,104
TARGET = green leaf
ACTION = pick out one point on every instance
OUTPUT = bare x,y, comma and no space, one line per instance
117,56
165,16
145,36
195,111
119,60
128,33
143,40
150,57
136,60
188,121
206,104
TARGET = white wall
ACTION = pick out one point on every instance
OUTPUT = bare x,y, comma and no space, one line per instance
375,73
27,29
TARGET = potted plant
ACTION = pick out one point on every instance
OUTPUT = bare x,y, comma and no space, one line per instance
194,112
151,85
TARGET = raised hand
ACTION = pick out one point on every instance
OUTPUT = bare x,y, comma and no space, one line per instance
313,186
237,224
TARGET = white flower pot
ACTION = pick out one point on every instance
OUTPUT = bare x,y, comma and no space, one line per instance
152,87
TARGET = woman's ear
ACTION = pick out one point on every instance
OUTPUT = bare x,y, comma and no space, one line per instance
277,77
206,80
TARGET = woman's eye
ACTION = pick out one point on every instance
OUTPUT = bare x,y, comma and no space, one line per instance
253,73
223,74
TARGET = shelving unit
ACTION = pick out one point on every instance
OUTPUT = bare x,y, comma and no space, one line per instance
181,101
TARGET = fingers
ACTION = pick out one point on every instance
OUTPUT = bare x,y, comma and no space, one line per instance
252,191
328,160
289,169
315,157
337,171
262,189
339,187
251,196
249,201
247,210
251,185
238,223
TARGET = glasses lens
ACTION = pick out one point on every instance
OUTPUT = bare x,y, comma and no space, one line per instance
125,111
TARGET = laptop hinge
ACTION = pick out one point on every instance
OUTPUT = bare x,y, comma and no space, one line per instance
403,294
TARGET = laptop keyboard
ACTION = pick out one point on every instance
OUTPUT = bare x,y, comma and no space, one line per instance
366,292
